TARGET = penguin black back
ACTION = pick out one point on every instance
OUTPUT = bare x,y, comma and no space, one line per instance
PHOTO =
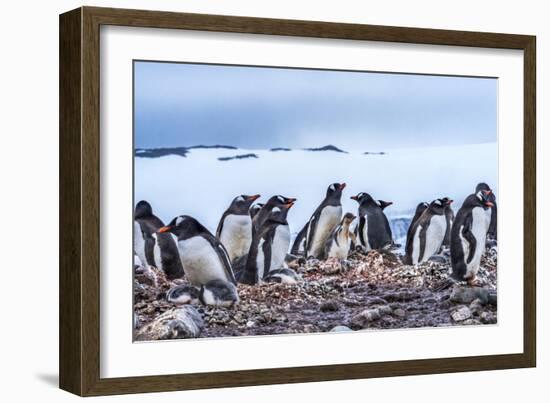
493,199
373,230
149,222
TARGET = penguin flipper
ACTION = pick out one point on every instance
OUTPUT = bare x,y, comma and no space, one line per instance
295,250
422,237
311,227
224,258
470,238
266,247
359,229
220,225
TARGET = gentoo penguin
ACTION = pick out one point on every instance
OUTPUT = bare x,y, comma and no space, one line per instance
262,215
235,227
373,230
219,293
322,222
183,294
492,211
468,236
149,222
269,246
203,256
339,242
283,276
427,233
255,208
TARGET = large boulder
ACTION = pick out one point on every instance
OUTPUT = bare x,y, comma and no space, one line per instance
177,323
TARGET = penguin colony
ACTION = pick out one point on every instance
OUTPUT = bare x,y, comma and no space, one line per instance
252,241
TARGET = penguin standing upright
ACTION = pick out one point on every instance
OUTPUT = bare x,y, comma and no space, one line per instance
322,222
158,249
269,247
373,230
235,227
339,242
427,233
468,236
203,256
492,211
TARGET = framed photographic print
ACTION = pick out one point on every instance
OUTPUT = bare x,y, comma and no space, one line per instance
251,201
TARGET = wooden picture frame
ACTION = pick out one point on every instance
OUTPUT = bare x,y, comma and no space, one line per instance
80,185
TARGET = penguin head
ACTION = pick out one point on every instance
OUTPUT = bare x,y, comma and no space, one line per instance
280,201
421,207
383,204
254,209
279,213
183,227
483,187
335,190
348,218
485,198
363,199
143,209
439,205
241,204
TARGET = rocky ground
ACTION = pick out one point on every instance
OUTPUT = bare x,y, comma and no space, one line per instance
373,291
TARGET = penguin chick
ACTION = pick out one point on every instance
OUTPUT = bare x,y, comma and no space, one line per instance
219,293
283,276
341,238
183,294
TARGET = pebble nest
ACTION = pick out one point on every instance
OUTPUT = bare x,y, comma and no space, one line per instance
372,291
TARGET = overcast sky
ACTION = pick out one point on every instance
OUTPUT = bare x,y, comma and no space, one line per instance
256,107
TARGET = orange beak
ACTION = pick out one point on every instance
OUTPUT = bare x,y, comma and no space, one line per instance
253,197
164,229
289,204
342,185
489,204
353,197
488,192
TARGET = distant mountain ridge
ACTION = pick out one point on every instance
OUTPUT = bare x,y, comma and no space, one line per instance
183,151
179,151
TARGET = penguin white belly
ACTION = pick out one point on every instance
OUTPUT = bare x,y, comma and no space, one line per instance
340,250
200,261
416,245
236,235
434,236
157,253
139,244
279,248
480,226
260,260
366,244
329,218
